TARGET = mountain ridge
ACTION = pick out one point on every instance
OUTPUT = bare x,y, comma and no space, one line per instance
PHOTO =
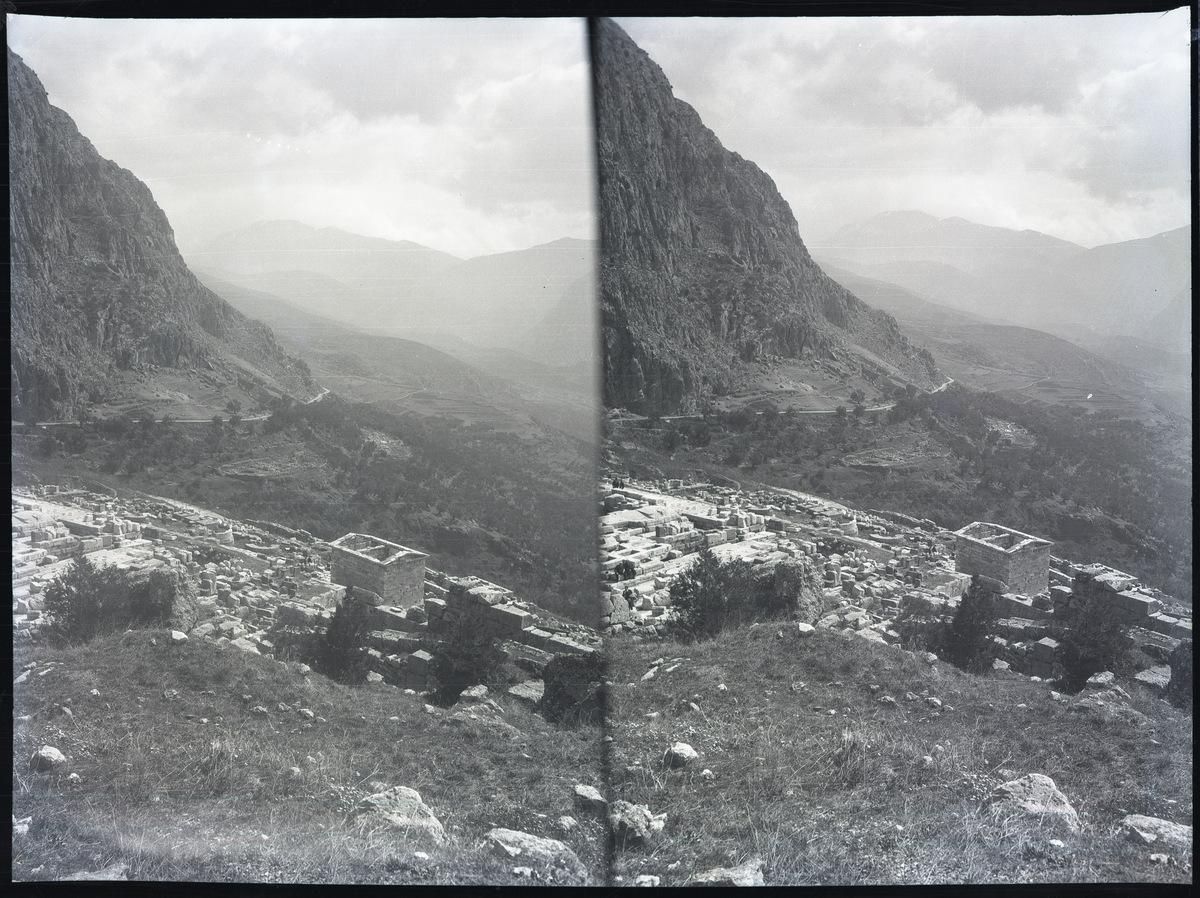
99,288
703,269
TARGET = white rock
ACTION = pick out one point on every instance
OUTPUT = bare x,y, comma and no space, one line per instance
554,857
47,758
178,637
747,874
680,754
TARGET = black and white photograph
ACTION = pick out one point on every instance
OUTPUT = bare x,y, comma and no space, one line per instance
611,452
304,451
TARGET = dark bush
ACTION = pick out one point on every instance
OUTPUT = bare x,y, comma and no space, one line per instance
341,650
967,645
1092,639
87,601
466,656
574,690
711,596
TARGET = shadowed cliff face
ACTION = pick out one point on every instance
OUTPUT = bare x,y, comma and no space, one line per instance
97,282
703,268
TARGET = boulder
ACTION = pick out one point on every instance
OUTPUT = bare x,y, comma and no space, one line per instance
588,798
178,637
552,857
47,758
474,694
1102,680
747,874
632,825
679,755
399,808
1156,831
1035,795
530,692
796,583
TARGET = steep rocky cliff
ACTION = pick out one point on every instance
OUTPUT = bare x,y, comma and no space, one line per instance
98,286
702,266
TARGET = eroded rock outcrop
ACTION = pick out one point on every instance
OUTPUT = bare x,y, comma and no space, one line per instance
703,268
98,285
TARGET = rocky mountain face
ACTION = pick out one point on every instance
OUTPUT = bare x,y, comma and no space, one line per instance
98,286
702,266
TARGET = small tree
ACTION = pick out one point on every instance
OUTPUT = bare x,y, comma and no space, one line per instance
1093,639
967,645
86,601
467,656
712,595
339,652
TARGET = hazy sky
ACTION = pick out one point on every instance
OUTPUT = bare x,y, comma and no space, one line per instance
469,136
1074,126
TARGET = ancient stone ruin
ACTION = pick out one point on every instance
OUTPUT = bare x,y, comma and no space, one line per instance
1006,560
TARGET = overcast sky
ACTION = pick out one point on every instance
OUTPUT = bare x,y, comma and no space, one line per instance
469,136
1073,126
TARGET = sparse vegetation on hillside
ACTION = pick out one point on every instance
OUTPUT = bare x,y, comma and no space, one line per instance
839,761
204,763
1102,488
479,501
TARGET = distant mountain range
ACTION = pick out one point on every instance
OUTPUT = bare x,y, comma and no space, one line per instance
1139,289
403,289
99,289
703,271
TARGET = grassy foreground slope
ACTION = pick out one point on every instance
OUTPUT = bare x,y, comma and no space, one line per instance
801,764
171,771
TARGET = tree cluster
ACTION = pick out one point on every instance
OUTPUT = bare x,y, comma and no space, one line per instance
87,601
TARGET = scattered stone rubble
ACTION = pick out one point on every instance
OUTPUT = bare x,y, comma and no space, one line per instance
873,566
256,579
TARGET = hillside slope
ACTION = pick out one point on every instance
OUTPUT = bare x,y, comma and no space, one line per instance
98,285
702,265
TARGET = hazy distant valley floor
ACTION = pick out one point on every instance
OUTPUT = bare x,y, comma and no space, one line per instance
1101,487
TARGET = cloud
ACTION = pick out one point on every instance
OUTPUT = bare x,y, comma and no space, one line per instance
1076,126
451,130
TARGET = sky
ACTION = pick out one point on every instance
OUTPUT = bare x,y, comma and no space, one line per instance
1074,126
468,136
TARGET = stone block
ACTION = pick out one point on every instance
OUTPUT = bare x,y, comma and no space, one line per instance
418,662
1044,649
511,618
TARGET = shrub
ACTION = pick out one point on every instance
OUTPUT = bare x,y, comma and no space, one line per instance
574,689
967,645
467,655
86,601
712,595
340,651
1092,639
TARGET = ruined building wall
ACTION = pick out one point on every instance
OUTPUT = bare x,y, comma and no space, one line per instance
1026,571
397,581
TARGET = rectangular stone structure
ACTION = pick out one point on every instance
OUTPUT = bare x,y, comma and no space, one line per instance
393,572
1004,555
